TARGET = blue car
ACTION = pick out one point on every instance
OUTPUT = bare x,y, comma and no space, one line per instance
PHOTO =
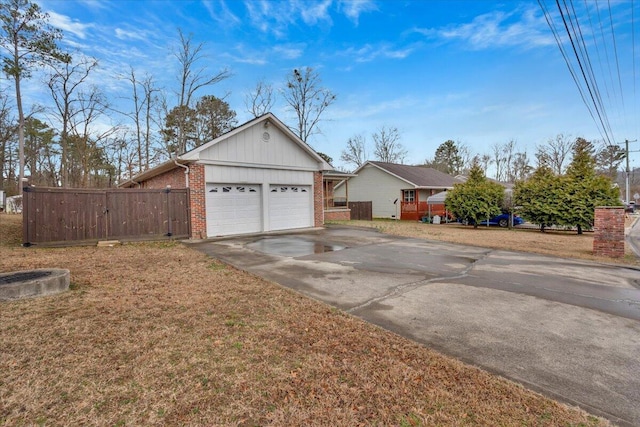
502,220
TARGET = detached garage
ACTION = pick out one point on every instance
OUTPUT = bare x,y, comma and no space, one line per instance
259,177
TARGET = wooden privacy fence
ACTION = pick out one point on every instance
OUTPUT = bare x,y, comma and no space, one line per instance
361,210
57,215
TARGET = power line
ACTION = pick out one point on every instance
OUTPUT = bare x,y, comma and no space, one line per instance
556,36
582,71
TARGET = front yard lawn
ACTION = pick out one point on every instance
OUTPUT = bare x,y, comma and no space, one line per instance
159,334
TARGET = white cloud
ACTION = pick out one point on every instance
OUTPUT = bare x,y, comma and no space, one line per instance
123,34
312,13
67,25
289,52
354,8
275,17
98,5
497,29
221,14
368,52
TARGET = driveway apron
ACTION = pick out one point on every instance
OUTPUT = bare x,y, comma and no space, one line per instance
567,328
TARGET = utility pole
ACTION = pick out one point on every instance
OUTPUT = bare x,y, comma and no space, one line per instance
627,170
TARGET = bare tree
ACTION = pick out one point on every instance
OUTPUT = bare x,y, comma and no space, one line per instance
192,79
308,99
509,151
498,160
485,161
521,167
387,146
467,158
556,153
29,41
261,100
356,151
64,85
145,105
88,140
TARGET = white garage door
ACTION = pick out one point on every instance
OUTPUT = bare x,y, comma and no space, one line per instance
290,206
233,209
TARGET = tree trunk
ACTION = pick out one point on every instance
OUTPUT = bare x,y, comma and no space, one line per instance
20,131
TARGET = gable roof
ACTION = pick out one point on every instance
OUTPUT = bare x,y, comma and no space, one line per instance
266,119
418,176
194,155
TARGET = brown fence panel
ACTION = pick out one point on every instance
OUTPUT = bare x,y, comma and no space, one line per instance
56,216
361,210
147,213
179,213
60,215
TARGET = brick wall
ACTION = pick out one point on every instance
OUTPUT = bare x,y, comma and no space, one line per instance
198,207
608,227
337,215
175,178
318,209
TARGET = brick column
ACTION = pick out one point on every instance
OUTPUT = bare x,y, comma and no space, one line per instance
197,193
608,227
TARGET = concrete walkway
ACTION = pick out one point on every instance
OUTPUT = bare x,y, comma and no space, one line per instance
567,328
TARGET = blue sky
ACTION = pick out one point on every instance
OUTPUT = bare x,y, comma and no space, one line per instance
478,72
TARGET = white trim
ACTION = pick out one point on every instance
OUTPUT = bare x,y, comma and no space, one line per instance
254,165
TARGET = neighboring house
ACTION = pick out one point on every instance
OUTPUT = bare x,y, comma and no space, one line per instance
258,177
396,191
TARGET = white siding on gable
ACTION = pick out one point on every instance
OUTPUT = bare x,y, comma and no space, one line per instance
260,146
372,184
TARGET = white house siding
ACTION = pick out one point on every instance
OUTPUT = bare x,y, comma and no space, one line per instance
265,178
372,184
423,194
251,147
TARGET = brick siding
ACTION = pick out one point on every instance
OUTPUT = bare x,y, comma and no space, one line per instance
175,178
608,227
337,215
198,207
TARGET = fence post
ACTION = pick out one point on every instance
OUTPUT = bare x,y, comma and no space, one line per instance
168,193
105,212
25,216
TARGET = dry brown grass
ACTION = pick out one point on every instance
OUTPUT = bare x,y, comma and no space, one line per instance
158,334
566,244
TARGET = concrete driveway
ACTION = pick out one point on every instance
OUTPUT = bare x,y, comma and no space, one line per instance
566,328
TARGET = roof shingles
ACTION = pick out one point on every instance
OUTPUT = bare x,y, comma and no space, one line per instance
419,176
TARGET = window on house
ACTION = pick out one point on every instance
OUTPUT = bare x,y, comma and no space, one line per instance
409,196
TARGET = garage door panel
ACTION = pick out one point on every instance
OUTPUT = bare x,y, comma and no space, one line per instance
233,209
290,206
